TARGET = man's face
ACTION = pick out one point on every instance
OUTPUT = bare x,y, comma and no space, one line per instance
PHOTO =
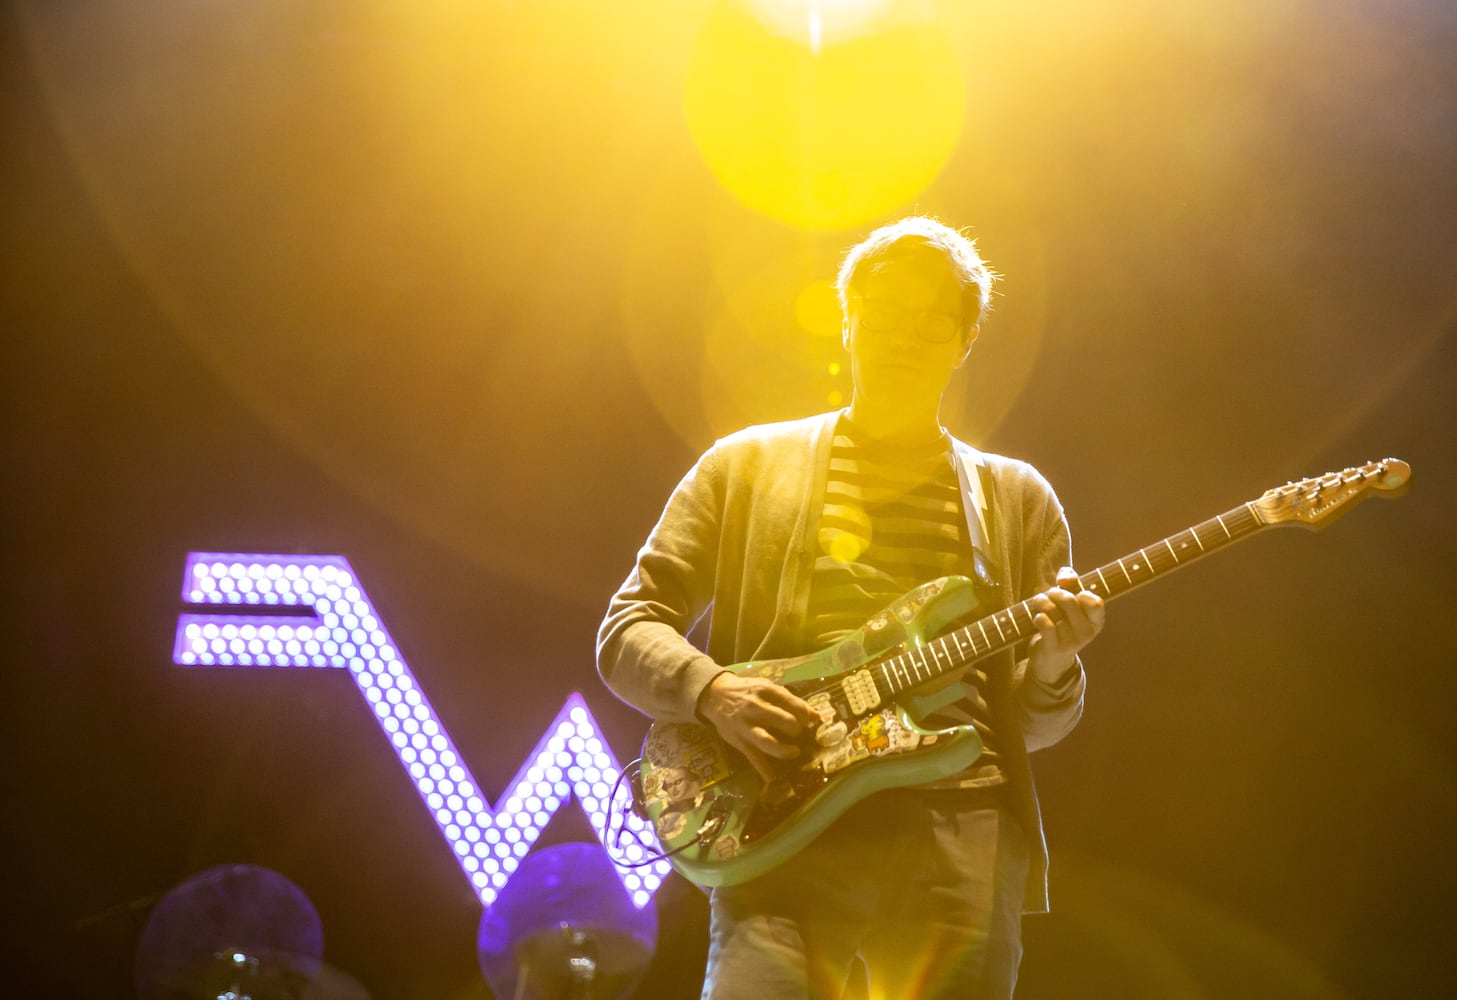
679,785
905,330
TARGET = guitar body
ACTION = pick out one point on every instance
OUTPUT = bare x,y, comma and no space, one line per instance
722,824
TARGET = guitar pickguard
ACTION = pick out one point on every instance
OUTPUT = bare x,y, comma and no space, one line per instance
876,734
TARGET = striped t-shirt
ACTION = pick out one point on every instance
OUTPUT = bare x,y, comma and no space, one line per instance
893,519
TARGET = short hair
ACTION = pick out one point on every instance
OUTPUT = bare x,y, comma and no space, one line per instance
973,274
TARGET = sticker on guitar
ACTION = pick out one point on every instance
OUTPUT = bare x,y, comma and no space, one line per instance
877,734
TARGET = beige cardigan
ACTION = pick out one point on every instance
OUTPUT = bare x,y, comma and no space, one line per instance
738,535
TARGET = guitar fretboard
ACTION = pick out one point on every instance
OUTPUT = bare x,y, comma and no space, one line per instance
1005,628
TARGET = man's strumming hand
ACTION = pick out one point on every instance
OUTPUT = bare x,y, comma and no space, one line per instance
757,717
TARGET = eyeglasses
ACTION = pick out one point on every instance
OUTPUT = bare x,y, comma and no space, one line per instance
882,316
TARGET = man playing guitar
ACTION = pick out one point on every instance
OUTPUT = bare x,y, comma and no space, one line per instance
795,535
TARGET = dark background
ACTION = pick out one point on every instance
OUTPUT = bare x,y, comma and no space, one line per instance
243,312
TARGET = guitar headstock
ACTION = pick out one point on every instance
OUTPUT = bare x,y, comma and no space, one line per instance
1318,501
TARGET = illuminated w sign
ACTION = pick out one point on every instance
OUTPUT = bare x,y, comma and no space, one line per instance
344,632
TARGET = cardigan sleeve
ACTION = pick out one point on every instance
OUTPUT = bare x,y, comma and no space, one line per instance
643,654
1048,712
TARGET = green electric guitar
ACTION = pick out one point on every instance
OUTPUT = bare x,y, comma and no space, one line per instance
720,823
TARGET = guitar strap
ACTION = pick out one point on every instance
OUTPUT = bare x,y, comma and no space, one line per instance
981,532
973,472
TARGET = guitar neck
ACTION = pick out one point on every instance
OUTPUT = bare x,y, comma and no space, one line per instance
1007,627
1165,556
1310,502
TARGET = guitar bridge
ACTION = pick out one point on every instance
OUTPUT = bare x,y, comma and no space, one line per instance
718,813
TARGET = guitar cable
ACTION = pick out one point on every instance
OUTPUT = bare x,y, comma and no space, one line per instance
639,808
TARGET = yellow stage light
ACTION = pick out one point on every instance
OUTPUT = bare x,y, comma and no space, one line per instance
814,21
824,116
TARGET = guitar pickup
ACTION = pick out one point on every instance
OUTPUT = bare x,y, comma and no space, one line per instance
860,692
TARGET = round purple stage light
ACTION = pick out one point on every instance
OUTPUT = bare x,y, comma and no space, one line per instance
242,930
564,928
